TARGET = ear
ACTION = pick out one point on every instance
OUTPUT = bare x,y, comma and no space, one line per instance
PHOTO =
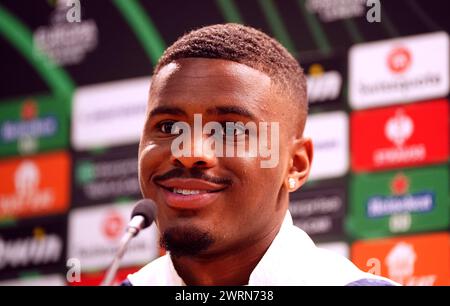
300,165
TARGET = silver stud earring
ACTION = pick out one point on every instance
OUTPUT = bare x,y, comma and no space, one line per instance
291,183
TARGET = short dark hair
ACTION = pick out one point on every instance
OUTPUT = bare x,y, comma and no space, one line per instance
247,46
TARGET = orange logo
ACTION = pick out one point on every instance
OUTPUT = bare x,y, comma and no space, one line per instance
422,260
34,186
399,60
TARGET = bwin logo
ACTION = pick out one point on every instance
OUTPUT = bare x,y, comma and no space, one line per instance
39,249
323,86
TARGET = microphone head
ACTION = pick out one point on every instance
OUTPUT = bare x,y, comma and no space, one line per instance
147,209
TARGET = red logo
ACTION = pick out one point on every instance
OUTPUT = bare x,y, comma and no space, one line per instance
29,110
399,60
395,137
400,184
113,225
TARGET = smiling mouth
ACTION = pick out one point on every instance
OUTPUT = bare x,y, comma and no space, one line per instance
182,191
188,186
190,193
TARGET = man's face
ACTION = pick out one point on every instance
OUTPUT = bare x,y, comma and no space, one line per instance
233,200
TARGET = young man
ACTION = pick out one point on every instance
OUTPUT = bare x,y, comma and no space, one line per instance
224,217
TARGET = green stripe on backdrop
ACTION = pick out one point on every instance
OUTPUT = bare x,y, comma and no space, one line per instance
387,24
357,36
230,11
316,29
353,30
143,28
276,23
16,33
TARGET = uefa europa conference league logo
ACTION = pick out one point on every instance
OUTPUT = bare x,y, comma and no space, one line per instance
223,139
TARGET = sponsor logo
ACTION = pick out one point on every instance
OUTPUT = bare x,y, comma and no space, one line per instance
401,261
332,10
387,206
319,211
420,202
315,206
412,200
39,249
323,85
401,70
97,108
29,128
400,184
64,41
113,225
106,176
399,60
94,233
400,136
422,260
34,186
329,132
32,125
398,129
108,179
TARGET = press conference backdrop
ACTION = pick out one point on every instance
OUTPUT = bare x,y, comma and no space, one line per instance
72,103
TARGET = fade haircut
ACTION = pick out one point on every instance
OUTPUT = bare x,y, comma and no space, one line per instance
248,46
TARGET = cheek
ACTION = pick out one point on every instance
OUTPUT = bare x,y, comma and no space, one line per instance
151,157
254,183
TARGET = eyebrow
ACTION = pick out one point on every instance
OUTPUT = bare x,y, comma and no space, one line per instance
167,110
218,110
235,110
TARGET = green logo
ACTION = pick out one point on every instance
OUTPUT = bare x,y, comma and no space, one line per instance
85,172
32,126
413,200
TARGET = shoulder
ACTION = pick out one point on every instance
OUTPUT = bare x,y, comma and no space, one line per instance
372,282
321,267
335,269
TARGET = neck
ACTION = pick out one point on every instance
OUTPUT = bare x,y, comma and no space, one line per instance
230,268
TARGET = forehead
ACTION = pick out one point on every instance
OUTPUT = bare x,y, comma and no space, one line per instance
200,83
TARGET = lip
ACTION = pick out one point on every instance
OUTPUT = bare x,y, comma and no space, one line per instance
193,184
192,201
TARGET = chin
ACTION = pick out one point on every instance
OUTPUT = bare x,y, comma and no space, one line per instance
186,240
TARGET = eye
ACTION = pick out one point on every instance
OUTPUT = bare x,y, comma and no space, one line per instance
231,129
168,127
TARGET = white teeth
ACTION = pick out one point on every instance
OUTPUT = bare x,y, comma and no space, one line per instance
186,191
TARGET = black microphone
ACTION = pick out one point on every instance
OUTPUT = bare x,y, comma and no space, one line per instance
143,215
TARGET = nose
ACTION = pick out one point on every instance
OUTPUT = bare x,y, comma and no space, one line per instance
200,155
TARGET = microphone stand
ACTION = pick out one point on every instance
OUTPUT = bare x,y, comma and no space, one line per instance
132,230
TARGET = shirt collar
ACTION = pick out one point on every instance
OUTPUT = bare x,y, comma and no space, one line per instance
267,271
275,265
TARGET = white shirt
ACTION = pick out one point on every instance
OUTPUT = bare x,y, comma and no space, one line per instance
292,259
